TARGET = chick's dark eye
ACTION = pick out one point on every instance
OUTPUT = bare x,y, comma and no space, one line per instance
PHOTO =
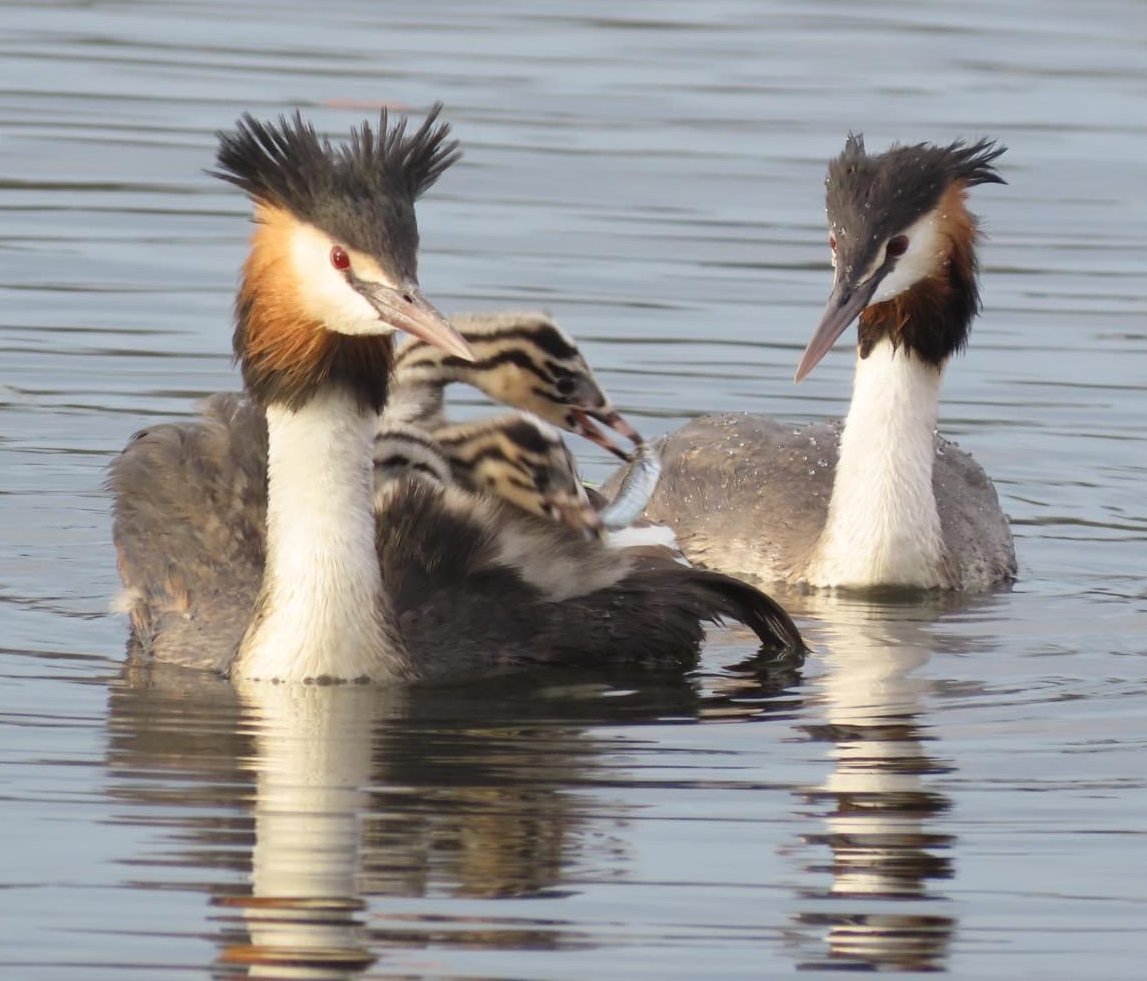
565,385
339,258
897,245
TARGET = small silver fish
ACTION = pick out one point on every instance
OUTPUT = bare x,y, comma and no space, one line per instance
637,487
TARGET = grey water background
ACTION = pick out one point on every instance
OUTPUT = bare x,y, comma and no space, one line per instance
949,785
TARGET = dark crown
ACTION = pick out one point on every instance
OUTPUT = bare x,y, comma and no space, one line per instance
878,196
361,193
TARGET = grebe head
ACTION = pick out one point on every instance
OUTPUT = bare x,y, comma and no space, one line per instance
521,459
332,272
527,361
541,370
903,246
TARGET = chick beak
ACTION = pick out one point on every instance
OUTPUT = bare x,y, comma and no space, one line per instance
584,423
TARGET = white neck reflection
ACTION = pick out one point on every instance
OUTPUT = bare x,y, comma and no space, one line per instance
312,765
880,812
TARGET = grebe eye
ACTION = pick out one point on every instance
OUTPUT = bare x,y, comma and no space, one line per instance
897,245
565,385
339,259
832,242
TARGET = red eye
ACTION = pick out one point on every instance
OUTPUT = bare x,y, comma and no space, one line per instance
832,242
339,259
897,245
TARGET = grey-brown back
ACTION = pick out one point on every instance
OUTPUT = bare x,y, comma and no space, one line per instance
749,496
190,530
744,493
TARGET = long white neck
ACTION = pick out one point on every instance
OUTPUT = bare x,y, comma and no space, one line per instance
883,527
322,613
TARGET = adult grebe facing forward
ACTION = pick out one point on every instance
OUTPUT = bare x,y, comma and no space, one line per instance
249,543
883,501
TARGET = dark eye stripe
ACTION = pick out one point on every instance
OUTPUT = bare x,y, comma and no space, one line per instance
394,460
528,437
549,394
521,484
518,358
550,341
397,461
416,439
540,336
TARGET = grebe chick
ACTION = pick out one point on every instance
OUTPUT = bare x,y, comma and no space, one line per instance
402,450
522,359
883,500
514,457
249,542
520,459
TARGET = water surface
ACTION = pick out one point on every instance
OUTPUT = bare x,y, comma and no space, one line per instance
954,785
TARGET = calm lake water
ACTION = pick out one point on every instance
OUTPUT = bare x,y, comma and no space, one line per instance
949,786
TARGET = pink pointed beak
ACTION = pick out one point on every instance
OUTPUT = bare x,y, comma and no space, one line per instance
612,418
406,309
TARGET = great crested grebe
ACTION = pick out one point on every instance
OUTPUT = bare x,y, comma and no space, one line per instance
885,500
522,359
251,542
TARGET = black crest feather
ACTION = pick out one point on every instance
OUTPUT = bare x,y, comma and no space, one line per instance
361,193
287,163
880,195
